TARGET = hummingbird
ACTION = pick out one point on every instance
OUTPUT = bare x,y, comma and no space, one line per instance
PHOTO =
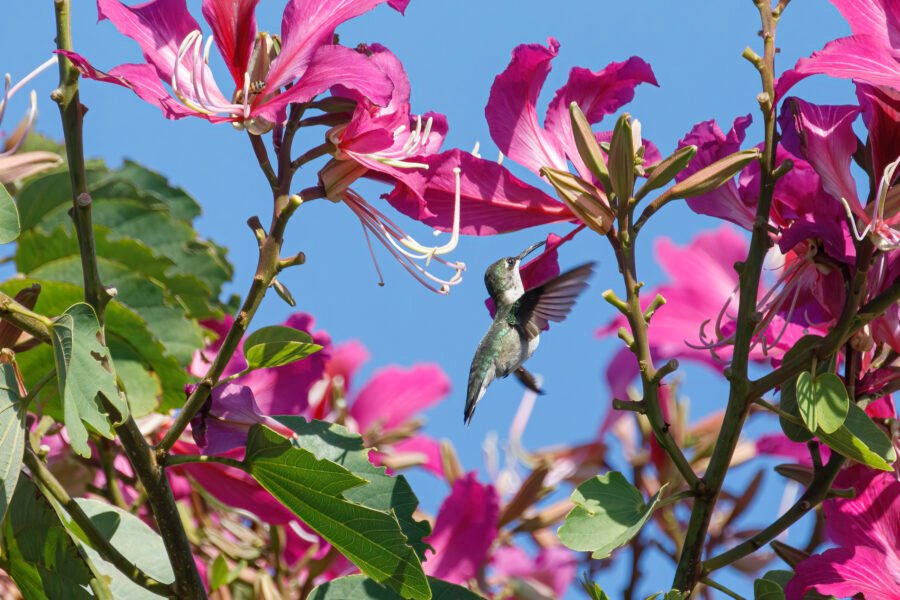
520,318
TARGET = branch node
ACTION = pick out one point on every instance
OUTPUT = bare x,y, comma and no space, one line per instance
83,200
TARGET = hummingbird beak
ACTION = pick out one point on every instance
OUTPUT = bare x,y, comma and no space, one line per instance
528,251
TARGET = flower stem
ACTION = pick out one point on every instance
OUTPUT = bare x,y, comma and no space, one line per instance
188,584
50,486
184,459
689,569
815,494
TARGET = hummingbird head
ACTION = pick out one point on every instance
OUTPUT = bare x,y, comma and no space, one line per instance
502,278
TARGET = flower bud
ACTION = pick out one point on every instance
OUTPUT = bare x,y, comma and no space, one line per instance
588,148
621,160
713,176
583,198
666,170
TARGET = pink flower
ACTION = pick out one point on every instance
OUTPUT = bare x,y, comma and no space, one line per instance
15,165
866,530
224,424
495,201
869,55
465,528
267,75
549,573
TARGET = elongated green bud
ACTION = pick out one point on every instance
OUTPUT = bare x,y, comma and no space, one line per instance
588,148
621,160
583,198
713,176
666,170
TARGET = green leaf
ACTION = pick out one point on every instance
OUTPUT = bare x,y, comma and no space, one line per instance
823,401
133,538
84,370
592,588
220,574
832,402
277,345
9,218
794,431
608,512
313,489
129,340
360,587
37,551
385,493
861,440
12,435
806,399
766,589
779,576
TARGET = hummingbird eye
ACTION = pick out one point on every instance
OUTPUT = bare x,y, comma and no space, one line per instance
510,262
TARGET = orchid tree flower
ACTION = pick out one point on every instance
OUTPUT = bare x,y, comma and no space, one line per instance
386,143
268,72
865,530
870,55
493,200
544,576
15,165
465,529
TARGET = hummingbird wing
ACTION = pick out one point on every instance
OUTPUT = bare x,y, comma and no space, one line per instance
552,301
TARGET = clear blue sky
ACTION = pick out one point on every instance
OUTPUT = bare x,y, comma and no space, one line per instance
452,50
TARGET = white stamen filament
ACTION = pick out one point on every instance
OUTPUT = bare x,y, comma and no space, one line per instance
9,92
202,99
475,150
888,240
408,252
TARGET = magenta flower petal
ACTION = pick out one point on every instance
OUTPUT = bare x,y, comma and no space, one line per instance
233,24
712,144
426,448
141,79
394,395
306,26
511,109
862,58
465,528
866,529
552,571
159,27
233,487
493,199
327,66
233,411
598,93
824,136
285,390
845,572
881,113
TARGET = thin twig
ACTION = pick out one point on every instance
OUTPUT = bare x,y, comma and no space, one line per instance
49,485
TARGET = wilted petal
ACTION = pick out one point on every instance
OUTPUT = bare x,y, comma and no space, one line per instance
493,199
233,24
465,528
233,410
24,164
394,395
141,79
712,144
511,110
824,136
329,66
598,93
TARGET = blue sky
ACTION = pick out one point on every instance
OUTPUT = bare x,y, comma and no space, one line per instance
452,50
